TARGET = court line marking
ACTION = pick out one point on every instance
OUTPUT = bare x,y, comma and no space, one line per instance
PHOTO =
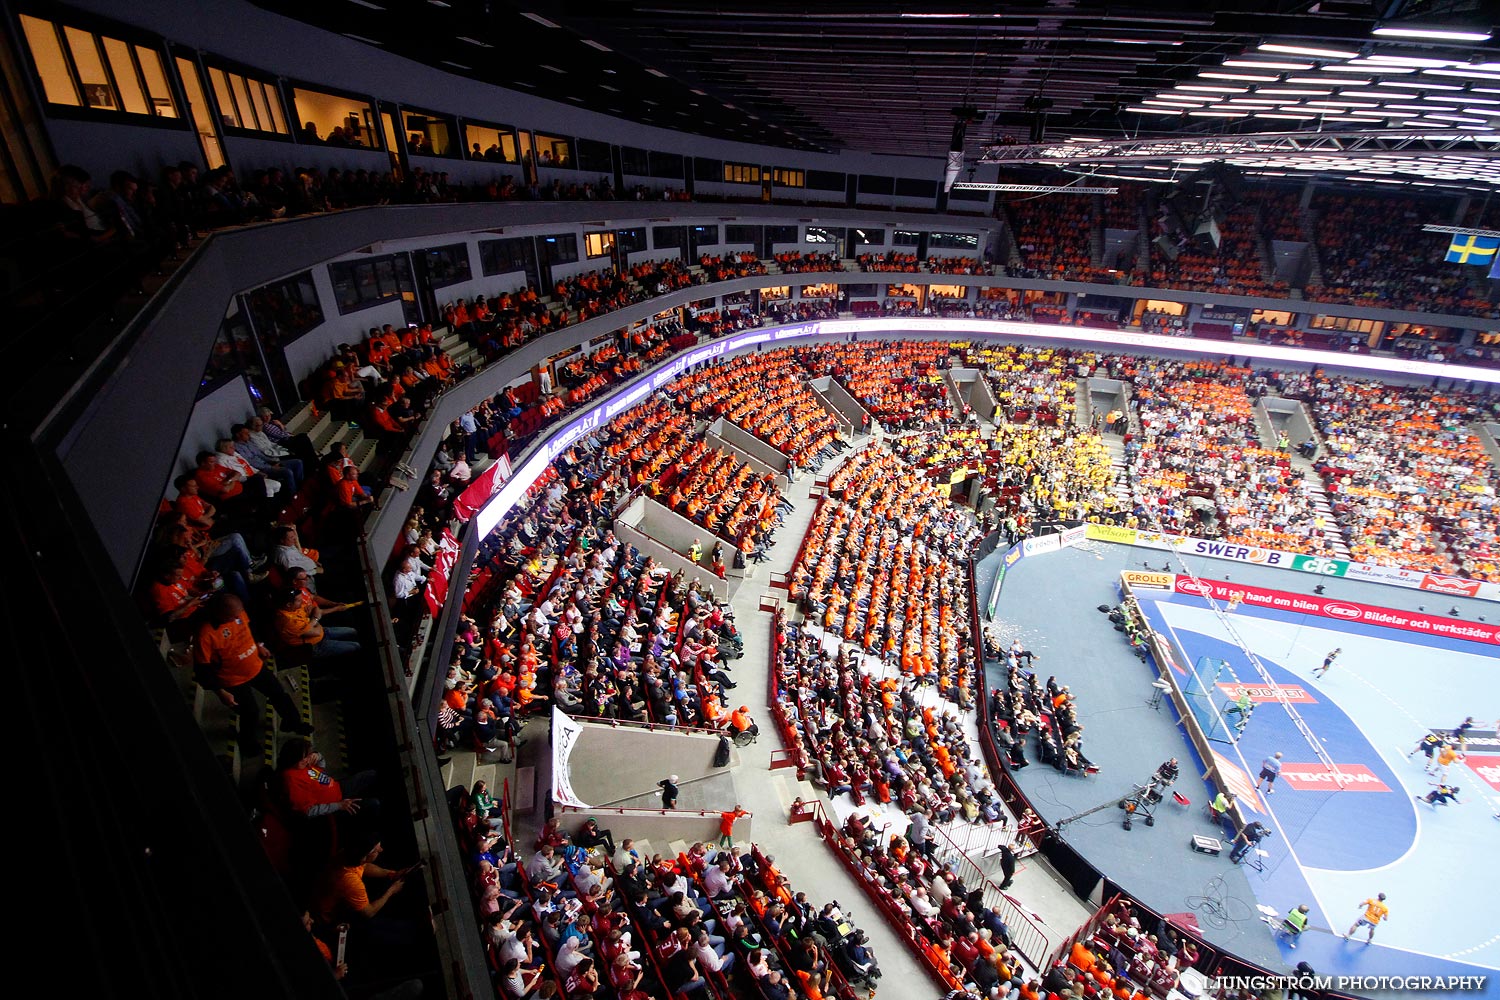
1483,791
1303,869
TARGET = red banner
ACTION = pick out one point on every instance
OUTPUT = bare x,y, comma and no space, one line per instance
442,566
1262,693
1488,768
481,488
1349,611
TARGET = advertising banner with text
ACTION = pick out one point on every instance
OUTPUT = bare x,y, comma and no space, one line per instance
1349,611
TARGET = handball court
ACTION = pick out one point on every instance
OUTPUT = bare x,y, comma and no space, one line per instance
1330,847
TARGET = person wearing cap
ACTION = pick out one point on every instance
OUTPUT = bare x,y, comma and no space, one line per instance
590,836
669,791
739,719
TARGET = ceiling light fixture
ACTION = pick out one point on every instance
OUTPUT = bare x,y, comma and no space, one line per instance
1308,50
450,62
1258,64
552,69
475,41
656,72
599,46
1240,76
362,38
367,3
539,19
1439,34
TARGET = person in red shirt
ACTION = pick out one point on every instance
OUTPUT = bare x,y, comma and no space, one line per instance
312,791
222,485
726,825
229,662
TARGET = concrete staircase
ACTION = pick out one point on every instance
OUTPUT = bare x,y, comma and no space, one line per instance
323,431
1119,479
1314,258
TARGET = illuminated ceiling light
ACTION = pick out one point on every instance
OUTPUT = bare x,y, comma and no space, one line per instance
656,72
539,19
612,90
1416,61
440,3
1293,92
450,62
1349,68
600,46
1440,34
552,69
1213,90
1284,116
1258,64
1308,50
362,38
1239,76
475,41
1456,118
1154,111
1218,114
1462,74
367,3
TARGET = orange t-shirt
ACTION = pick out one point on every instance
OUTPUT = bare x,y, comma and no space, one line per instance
192,506
215,482
307,787
168,597
230,649
342,893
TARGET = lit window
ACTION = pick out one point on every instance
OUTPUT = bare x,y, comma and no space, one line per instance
51,64
491,143
428,134
334,119
741,173
598,244
785,177
247,103
553,151
78,68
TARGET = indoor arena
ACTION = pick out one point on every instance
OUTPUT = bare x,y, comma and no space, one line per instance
622,501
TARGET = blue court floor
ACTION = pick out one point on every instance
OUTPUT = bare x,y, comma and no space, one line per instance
1334,847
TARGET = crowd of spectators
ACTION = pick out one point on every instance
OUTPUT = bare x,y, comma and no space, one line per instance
882,566
764,395
727,266
1233,267
891,260
1052,237
958,265
1408,478
792,262
1374,252
899,383
1199,466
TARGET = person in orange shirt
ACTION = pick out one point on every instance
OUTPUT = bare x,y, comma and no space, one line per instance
341,894
312,791
299,625
229,661
353,496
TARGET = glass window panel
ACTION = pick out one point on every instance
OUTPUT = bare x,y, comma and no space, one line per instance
242,101
598,244
162,102
668,237
335,120
273,101
223,98
51,64
128,84
634,161
554,151
97,92
203,122
262,110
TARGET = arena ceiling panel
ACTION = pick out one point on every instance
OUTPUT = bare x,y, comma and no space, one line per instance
885,77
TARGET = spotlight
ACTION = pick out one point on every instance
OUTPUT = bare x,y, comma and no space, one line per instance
1318,590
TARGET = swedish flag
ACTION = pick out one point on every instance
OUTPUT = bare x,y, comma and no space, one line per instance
1466,248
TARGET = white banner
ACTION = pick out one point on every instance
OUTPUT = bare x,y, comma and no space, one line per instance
565,733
